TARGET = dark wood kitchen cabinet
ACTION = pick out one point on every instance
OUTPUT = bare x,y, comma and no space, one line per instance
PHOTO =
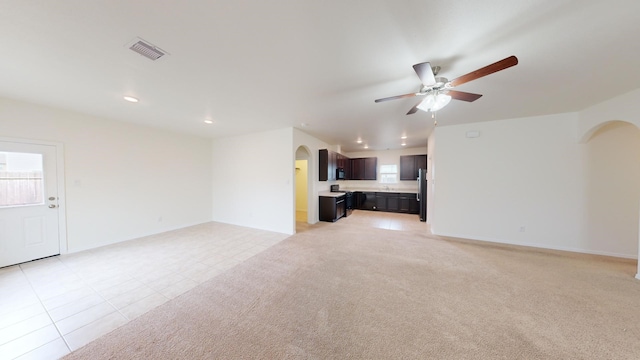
344,163
370,168
332,208
408,203
367,201
364,168
357,169
387,201
410,164
393,202
329,162
381,202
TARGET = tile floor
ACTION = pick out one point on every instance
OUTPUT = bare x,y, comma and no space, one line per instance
384,220
52,306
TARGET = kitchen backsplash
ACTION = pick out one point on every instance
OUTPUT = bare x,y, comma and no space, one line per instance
376,185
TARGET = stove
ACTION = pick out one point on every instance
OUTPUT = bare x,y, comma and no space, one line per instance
348,198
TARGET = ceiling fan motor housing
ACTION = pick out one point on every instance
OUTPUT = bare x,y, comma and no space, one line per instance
440,84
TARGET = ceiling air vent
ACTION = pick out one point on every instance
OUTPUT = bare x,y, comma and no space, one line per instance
146,49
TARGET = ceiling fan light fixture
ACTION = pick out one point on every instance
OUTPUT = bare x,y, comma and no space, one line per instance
434,102
428,102
441,101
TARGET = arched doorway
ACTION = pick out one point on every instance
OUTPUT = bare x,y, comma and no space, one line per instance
302,187
613,188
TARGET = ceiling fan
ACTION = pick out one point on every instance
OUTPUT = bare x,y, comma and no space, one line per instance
438,90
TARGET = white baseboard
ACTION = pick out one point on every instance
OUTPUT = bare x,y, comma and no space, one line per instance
535,245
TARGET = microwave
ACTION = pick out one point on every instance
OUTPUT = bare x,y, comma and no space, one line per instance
340,174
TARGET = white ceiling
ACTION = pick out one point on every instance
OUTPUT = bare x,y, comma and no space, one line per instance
260,65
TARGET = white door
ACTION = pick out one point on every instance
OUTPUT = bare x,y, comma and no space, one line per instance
28,202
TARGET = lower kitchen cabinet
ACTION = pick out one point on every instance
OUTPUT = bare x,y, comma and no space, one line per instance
367,200
332,208
414,206
393,202
409,203
381,202
387,201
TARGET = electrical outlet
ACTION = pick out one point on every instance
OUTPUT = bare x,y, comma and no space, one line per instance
160,219
522,229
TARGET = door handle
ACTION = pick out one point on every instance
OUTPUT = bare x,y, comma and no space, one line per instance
52,206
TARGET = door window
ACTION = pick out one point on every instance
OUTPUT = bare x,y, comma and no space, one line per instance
21,180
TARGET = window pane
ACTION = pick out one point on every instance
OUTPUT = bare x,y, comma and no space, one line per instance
21,180
388,169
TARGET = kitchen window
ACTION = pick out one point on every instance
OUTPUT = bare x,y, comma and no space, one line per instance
389,174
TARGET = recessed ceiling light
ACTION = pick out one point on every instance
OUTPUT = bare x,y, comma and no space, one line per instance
208,121
359,141
403,137
403,144
131,99
366,146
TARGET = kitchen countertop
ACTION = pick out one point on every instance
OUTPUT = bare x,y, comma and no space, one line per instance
330,194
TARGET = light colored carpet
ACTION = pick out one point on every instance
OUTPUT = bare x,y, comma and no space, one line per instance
345,291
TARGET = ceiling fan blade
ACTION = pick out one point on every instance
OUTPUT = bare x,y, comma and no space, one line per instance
396,97
425,73
464,96
414,109
487,70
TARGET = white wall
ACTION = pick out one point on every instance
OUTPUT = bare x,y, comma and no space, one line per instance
385,157
431,179
530,182
253,180
120,178
518,173
625,107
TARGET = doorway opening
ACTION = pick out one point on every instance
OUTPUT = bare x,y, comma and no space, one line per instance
302,187
613,188
301,190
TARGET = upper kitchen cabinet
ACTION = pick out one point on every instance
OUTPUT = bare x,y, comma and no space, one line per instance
364,168
370,168
353,169
344,164
329,163
410,164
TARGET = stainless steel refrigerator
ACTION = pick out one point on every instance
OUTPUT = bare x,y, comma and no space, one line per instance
422,193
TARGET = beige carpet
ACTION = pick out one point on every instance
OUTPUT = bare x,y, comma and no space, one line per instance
345,291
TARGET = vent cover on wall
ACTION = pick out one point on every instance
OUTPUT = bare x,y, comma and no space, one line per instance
146,49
